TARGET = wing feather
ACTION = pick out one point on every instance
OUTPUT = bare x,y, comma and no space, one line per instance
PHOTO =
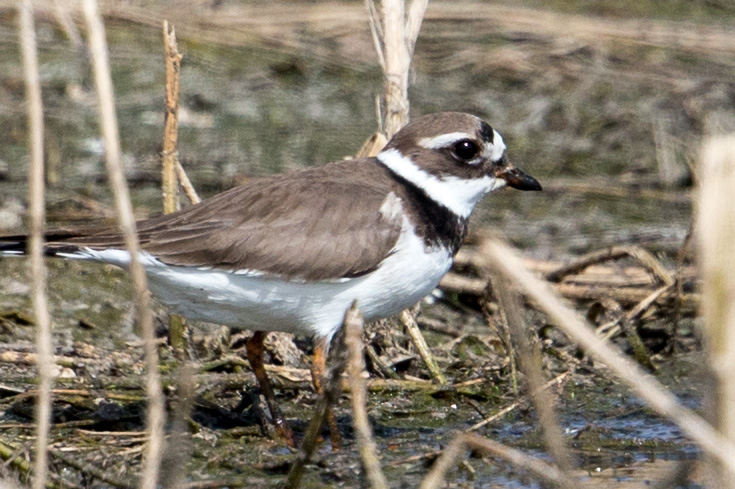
308,225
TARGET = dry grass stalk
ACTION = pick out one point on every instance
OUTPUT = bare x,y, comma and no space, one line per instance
614,253
185,183
625,295
173,472
36,197
67,24
170,165
716,221
514,405
397,64
467,441
394,37
510,302
169,185
507,262
355,371
126,221
329,396
409,322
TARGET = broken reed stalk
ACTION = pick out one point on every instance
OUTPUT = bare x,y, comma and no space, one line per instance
468,441
355,370
173,473
177,330
37,214
716,233
509,301
394,37
65,21
172,171
169,185
409,322
504,260
110,134
329,396
643,256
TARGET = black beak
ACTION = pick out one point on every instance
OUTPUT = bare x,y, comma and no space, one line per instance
518,179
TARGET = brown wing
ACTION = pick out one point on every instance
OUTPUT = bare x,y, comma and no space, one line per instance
312,225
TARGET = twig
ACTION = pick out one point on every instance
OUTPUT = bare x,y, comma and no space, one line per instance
679,277
467,441
510,303
418,339
413,23
178,331
355,370
169,185
126,221
503,333
646,386
689,302
89,469
397,64
174,462
514,405
185,183
376,31
33,359
36,196
614,253
328,398
379,364
67,24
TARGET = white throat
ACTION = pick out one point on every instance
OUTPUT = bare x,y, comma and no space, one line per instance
459,195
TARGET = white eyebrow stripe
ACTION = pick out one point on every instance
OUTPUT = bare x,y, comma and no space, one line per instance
444,140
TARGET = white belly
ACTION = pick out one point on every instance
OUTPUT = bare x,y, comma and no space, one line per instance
251,302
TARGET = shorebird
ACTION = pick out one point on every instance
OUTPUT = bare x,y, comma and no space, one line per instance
291,252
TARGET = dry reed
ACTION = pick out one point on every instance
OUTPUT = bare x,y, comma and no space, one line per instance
169,185
36,197
467,441
510,303
108,121
394,38
507,262
363,431
328,397
716,239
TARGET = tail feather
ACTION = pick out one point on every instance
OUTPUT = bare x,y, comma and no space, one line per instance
61,242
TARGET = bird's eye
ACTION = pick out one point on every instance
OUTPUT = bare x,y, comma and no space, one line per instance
465,149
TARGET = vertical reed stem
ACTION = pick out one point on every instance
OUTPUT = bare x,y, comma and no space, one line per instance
716,218
36,197
126,221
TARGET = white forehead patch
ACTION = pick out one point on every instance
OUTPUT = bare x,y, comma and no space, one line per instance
459,195
496,150
444,140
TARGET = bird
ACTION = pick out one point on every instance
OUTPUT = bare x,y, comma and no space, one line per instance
291,252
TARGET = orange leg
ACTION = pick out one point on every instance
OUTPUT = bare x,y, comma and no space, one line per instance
254,348
318,371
